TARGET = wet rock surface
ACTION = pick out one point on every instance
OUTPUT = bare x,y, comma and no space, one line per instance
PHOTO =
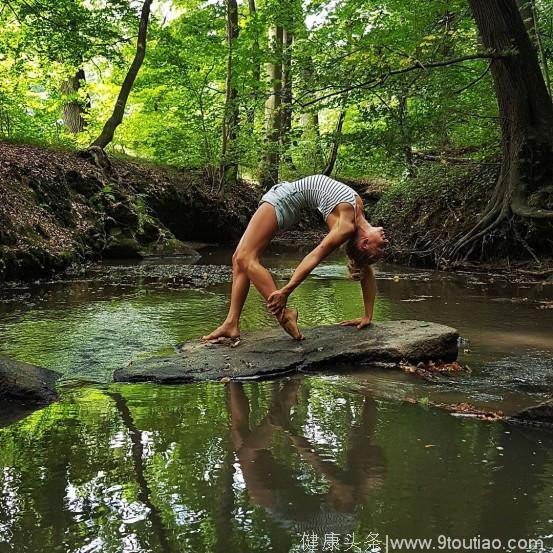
26,382
539,415
272,353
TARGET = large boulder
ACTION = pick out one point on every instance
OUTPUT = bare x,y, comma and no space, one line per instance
269,353
23,381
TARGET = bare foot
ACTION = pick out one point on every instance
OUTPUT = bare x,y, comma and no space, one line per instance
226,330
288,320
225,341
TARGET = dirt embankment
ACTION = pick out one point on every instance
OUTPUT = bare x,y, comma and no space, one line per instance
424,217
57,207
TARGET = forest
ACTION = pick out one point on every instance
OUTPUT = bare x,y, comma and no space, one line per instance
167,386
442,108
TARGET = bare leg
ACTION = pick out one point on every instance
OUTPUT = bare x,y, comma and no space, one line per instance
261,229
246,267
263,281
231,325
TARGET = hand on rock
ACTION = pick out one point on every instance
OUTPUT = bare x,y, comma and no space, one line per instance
360,323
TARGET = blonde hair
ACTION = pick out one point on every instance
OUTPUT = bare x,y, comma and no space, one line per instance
358,260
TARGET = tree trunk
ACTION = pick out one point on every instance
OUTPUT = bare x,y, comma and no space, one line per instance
229,163
309,120
5,123
405,136
287,42
73,110
270,163
256,55
335,145
525,184
106,136
530,17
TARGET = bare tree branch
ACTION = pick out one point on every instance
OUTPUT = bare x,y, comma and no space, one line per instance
475,81
379,80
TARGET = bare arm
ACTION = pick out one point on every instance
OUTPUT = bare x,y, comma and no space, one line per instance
335,238
368,287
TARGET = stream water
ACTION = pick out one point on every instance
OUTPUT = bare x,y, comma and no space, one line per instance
331,462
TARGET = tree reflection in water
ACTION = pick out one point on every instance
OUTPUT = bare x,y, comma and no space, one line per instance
251,467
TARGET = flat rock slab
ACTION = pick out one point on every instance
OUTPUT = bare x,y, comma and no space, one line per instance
26,382
271,353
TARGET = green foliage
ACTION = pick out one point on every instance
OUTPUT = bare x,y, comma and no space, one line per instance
405,198
424,401
107,191
341,58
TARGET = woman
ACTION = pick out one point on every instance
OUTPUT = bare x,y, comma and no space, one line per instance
342,210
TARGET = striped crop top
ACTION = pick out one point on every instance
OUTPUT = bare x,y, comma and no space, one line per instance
323,193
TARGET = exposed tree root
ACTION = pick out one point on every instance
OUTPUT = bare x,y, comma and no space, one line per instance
99,157
520,207
525,244
499,210
508,198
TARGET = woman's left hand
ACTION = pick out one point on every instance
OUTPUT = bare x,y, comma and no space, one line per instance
276,302
360,323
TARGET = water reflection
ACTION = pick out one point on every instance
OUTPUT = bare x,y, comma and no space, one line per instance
250,468
278,490
137,452
242,468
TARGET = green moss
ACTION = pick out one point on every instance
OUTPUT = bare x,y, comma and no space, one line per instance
66,255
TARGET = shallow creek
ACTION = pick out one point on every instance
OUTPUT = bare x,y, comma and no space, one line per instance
267,466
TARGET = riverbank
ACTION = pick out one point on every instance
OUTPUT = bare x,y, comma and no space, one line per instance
426,215
58,207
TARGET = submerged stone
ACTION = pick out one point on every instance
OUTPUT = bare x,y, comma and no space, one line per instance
23,381
270,353
539,415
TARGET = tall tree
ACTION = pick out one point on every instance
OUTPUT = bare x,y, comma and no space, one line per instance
106,136
229,162
530,17
309,118
286,127
525,184
256,60
273,120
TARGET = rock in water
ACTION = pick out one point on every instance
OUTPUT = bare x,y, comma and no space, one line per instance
270,353
23,381
538,415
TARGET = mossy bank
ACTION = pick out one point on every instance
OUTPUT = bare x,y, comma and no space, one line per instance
59,207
